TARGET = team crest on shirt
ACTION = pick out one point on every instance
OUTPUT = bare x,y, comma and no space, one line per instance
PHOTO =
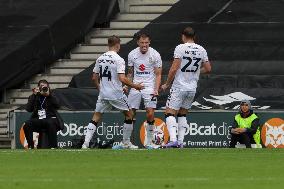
151,61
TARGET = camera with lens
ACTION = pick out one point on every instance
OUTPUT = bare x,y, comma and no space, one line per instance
44,89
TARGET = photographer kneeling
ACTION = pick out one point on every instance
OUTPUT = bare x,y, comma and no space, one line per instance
246,127
45,117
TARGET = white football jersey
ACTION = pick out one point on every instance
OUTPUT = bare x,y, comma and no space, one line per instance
108,66
192,56
144,67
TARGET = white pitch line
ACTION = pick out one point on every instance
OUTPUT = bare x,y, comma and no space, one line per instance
148,179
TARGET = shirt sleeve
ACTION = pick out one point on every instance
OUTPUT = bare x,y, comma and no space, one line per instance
178,52
130,60
158,60
121,66
96,68
204,55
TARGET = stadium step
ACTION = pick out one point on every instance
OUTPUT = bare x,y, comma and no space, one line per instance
20,92
53,85
106,32
85,56
3,121
149,8
19,100
73,63
5,142
64,77
103,40
64,70
90,48
137,17
125,24
3,115
148,2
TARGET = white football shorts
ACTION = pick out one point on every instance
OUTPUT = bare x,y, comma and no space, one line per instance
180,99
135,96
104,105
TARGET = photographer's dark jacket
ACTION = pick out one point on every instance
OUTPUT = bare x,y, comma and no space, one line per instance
50,104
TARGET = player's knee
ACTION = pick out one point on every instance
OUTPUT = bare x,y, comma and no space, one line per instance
183,111
128,115
151,122
169,114
181,115
128,121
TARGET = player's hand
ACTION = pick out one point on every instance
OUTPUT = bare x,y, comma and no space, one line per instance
125,89
156,93
138,86
164,87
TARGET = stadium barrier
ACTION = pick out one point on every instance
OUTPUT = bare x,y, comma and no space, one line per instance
207,129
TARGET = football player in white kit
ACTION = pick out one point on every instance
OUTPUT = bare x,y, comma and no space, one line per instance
109,74
190,59
145,66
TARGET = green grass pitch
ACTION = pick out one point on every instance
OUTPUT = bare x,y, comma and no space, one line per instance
174,168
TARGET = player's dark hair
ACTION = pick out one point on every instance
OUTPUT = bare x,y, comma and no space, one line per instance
113,40
188,32
138,36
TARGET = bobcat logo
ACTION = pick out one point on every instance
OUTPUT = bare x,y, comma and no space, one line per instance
272,133
161,134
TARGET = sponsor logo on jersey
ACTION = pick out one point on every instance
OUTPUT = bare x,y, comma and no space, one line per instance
142,67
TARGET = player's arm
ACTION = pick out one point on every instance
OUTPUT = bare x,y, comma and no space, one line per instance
127,82
96,80
206,67
158,73
130,73
173,70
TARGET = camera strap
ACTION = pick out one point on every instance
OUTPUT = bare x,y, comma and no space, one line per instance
41,113
41,103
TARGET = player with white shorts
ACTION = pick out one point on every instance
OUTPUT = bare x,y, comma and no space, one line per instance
109,74
145,66
190,59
